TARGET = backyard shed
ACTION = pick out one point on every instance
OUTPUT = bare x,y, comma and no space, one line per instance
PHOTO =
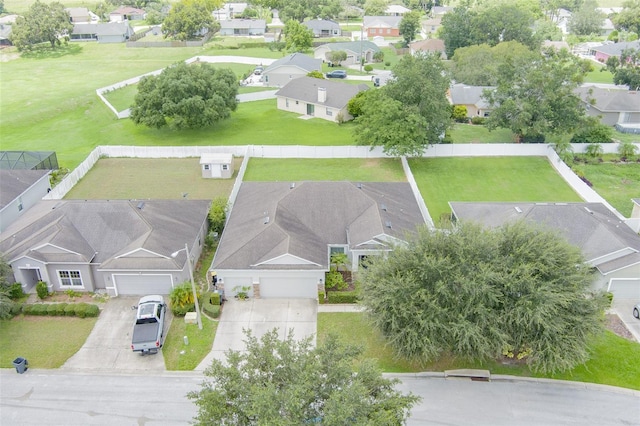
217,165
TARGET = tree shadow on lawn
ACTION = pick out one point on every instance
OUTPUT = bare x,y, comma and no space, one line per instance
44,51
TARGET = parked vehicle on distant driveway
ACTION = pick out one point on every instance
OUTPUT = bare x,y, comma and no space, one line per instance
337,74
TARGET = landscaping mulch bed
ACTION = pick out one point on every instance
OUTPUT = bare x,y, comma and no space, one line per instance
615,324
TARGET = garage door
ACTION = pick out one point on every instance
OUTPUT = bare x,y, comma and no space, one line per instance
140,285
288,288
625,288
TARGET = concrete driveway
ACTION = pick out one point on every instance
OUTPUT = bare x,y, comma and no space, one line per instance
624,309
261,315
108,347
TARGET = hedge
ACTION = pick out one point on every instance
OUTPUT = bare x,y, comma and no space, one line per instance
208,304
81,310
322,297
342,296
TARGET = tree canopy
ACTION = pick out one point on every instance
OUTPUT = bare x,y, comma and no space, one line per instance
411,111
189,19
587,19
409,26
185,96
629,17
288,382
518,290
298,38
625,69
41,23
538,98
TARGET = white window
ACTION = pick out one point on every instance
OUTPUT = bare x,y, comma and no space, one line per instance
225,167
286,103
70,279
206,167
329,112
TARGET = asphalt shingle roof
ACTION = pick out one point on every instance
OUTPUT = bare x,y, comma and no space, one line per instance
16,182
306,89
296,59
610,100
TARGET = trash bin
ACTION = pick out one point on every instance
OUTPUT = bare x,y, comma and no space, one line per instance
21,365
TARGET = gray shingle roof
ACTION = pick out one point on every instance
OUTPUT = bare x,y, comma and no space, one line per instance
353,46
299,60
463,94
303,220
615,49
606,242
321,24
610,100
306,89
103,29
243,23
15,182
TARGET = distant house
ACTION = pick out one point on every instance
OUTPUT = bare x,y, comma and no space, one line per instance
78,15
354,50
326,99
110,32
229,11
607,243
127,13
19,190
614,107
431,26
556,45
243,27
430,45
5,35
217,165
396,10
470,97
384,26
440,10
292,66
118,246
323,27
603,52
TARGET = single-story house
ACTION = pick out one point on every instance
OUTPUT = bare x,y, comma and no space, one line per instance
431,26
243,27
620,108
470,97
352,48
127,13
385,26
292,66
556,45
19,190
5,35
396,10
441,10
8,19
607,243
430,45
229,11
122,247
326,99
109,32
323,27
603,52
78,15
217,165
280,235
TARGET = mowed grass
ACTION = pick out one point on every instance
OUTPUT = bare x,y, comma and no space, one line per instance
200,343
441,180
325,169
599,75
469,133
614,361
46,342
154,178
617,183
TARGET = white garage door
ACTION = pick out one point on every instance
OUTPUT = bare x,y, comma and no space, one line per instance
625,288
140,285
288,288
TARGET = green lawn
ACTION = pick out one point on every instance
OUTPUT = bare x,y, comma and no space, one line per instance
200,343
599,75
468,133
616,183
122,98
328,169
441,180
614,361
46,342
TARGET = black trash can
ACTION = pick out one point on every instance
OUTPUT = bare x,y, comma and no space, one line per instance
21,365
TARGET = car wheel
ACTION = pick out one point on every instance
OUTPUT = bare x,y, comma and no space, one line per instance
636,313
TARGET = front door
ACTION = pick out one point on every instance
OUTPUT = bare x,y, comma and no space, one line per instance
310,109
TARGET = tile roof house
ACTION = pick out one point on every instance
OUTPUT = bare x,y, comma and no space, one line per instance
430,45
614,107
19,191
470,97
323,27
243,27
280,235
607,243
118,246
292,66
320,98
384,26
110,32
354,50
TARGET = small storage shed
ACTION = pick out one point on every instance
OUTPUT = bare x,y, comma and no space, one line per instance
217,165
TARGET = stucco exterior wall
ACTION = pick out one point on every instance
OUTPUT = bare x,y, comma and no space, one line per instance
12,211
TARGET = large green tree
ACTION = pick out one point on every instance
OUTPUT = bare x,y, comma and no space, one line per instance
629,18
185,96
288,382
626,68
188,20
493,25
41,23
298,38
538,98
375,7
409,26
479,293
587,20
456,29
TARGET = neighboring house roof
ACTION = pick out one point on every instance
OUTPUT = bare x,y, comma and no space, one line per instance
463,94
615,49
396,9
304,62
441,10
127,10
104,29
429,45
353,46
557,45
381,21
610,100
8,19
321,24
14,183
5,31
117,234
606,242
306,89
77,12
431,22
236,8
242,23
278,220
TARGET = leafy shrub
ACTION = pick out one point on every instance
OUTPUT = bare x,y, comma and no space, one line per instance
38,310
322,297
92,310
277,46
209,307
609,297
334,280
52,310
72,293
181,299
368,68
378,56
387,64
70,310
593,133
533,138
15,291
42,290
15,309
447,138
60,309
342,297
81,310
218,214
627,150
181,311
459,114
594,150
479,121
214,299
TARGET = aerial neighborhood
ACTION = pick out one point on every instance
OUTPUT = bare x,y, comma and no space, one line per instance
288,197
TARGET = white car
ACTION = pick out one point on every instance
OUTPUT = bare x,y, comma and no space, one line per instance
636,311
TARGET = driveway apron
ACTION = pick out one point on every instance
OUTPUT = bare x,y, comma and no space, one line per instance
108,347
297,316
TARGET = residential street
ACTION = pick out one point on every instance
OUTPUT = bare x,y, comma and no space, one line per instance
56,397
